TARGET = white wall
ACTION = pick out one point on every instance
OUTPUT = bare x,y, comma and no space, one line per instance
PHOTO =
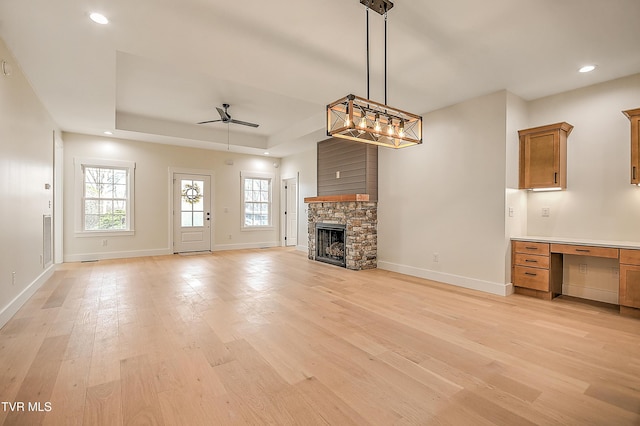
516,199
599,202
447,197
152,227
303,165
26,165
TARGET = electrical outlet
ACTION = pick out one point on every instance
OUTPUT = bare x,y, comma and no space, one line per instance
229,236
510,211
436,257
546,211
583,268
104,243
338,175
13,278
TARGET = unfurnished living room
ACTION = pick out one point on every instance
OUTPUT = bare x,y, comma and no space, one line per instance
349,212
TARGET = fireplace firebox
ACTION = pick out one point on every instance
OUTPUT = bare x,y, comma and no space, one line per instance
330,243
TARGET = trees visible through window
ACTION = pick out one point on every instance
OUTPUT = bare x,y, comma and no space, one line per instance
105,199
256,201
104,196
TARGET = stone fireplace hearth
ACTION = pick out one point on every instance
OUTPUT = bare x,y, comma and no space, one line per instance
358,215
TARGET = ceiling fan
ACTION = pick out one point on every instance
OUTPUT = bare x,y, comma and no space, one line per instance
226,118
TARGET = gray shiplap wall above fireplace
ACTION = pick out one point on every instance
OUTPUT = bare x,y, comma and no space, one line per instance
346,167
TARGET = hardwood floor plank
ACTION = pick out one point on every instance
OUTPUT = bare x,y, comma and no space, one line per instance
39,381
69,393
59,295
140,404
103,405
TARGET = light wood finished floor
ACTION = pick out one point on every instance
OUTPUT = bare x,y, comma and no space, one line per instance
269,337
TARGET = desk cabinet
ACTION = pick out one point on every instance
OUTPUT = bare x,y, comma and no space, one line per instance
535,270
630,278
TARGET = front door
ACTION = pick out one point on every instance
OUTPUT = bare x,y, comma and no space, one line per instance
191,212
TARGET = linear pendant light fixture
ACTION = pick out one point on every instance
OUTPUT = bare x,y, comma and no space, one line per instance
363,120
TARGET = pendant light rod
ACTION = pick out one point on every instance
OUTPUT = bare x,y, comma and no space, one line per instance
368,74
385,58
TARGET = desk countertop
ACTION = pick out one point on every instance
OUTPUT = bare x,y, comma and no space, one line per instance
581,242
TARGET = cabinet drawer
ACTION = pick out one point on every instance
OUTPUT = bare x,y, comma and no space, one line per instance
533,278
611,253
630,257
532,260
531,248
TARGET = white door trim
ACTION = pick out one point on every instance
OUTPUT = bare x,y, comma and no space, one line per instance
283,207
177,170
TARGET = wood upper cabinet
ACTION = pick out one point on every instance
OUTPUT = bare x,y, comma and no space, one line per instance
634,116
543,156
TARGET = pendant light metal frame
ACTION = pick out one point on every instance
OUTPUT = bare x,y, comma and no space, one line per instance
363,120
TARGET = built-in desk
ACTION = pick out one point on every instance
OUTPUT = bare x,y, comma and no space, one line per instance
537,266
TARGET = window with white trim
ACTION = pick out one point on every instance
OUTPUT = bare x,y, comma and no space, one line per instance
256,200
105,196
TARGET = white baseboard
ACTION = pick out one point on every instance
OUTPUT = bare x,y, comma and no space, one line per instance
597,294
10,310
241,246
499,289
302,248
87,257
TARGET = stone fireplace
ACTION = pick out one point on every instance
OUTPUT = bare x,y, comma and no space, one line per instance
347,200
357,216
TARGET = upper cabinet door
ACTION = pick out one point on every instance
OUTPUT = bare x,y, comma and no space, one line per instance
543,156
634,116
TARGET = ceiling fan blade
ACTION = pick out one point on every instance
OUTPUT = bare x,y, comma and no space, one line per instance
244,123
223,114
210,121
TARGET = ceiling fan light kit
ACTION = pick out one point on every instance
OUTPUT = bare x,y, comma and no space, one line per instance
363,120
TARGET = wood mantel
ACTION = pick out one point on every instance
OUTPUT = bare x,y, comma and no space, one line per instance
342,198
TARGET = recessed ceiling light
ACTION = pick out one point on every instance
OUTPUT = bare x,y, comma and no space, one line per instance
99,18
106,132
587,68
266,153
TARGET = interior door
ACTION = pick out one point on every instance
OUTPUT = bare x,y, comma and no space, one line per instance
291,212
191,213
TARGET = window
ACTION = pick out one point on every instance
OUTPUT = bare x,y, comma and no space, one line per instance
105,189
256,200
